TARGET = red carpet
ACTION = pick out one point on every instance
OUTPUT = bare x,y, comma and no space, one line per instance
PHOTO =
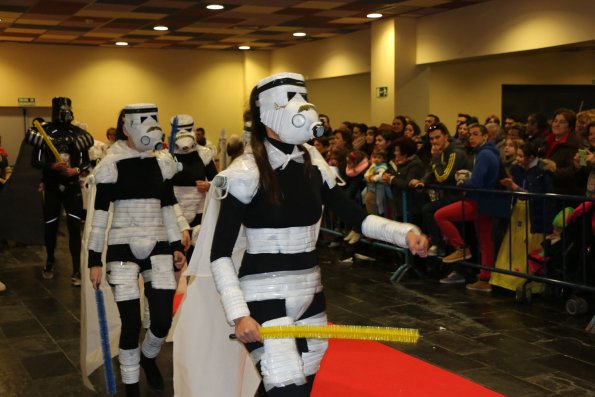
371,369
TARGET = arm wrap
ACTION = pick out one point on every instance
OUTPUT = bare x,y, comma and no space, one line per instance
182,222
171,223
97,234
384,229
228,285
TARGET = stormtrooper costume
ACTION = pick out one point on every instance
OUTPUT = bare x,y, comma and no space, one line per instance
196,164
61,188
278,281
134,184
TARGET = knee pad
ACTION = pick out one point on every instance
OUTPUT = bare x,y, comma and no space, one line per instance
162,272
123,277
130,365
316,347
281,363
152,345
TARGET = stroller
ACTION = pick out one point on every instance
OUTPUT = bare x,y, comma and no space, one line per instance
568,255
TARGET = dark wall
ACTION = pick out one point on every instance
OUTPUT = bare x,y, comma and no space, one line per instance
524,99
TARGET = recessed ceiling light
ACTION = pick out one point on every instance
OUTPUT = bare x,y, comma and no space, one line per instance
160,27
215,7
122,43
244,47
374,15
299,34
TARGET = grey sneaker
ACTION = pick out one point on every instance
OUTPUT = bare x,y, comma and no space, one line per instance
453,278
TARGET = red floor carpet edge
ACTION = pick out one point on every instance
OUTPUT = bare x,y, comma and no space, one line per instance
371,369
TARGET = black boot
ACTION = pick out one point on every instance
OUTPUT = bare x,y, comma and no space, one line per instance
132,390
152,372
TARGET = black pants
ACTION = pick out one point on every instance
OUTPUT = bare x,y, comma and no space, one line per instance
160,306
69,196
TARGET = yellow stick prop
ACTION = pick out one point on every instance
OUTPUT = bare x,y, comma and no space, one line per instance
47,140
387,334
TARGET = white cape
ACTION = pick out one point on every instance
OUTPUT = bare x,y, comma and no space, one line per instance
91,354
206,362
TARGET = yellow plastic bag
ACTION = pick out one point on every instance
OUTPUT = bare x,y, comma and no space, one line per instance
514,251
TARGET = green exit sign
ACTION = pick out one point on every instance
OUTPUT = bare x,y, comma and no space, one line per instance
26,101
381,92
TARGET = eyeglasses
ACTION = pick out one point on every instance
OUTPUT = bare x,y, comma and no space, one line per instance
433,127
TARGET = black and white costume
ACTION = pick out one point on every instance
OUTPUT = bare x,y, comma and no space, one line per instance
61,190
135,186
278,281
195,164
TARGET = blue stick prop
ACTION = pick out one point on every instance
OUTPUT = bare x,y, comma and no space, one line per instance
108,369
172,136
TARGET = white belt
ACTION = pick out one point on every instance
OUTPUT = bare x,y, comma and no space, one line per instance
127,235
290,240
281,285
137,212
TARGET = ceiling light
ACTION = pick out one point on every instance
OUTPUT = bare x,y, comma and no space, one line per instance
160,27
374,15
122,43
244,47
299,34
215,7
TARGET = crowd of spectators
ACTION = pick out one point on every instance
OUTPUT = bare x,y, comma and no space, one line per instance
384,165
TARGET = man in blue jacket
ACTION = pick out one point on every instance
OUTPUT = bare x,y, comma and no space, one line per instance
476,207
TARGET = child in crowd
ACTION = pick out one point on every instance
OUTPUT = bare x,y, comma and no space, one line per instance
356,165
375,194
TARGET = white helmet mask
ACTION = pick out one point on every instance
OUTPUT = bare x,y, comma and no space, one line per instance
282,99
185,140
142,125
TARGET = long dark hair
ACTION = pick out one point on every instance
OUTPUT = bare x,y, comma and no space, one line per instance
120,136
268,178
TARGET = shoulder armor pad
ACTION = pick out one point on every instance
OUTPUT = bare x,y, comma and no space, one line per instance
166,162
34,138
84,140
205,154
106,172
241,178
329,174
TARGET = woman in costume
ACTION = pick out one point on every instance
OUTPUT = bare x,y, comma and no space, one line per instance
144,238
273,196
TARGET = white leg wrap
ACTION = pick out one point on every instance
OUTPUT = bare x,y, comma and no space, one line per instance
130,365
162,272
281,363
384,229
152,345
316,347
228,285
97,234
123,277
171,224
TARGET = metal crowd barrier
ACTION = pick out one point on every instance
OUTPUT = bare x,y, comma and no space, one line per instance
581,280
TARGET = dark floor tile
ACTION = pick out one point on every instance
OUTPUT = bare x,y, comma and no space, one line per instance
568,365
68,385
16,312
21,328
66,330
32,346
563,384
47,365
16,383
507,342
502,382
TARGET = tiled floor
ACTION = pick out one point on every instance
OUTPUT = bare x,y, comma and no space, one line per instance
517,350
